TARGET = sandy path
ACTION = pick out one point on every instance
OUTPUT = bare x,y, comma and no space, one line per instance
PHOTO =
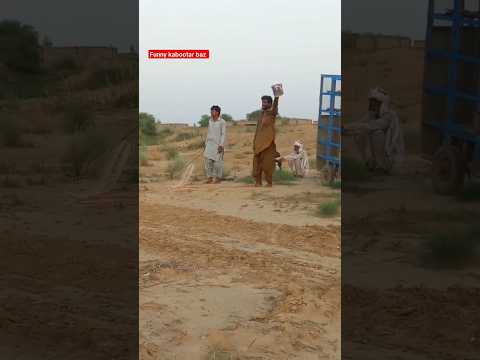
293,205
221,277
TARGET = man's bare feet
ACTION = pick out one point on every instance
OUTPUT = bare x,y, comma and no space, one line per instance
258,184
269,185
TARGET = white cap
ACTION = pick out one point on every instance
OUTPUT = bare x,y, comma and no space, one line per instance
379,94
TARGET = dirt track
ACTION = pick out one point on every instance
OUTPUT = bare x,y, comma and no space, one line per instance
220,280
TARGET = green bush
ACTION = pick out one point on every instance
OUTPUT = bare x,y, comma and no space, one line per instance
147,124
164,132
280,177
175,167
19,46
171,153
247,180
227,117
328,209
337,184
204,119
146,140
283,177
254,115
84,147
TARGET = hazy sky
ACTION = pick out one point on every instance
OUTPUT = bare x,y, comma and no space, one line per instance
253,45
406,17
79,23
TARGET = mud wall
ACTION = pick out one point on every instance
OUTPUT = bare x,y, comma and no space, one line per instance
371,42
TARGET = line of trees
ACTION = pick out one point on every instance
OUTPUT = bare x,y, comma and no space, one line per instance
147,124
19,46
204,119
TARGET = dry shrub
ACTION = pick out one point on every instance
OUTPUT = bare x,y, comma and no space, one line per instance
154,153
195,145
78,117
175,168
184,136
220,347
83,149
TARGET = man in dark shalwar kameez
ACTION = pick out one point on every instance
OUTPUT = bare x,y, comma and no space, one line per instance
264,142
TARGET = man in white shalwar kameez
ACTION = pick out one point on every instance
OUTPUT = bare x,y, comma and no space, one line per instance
297,160
378,134
215,146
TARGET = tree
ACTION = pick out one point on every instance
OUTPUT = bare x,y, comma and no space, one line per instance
19,46
254,115
227,117
203,122
147,124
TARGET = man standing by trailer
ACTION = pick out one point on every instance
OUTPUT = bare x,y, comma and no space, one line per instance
264,141
215,146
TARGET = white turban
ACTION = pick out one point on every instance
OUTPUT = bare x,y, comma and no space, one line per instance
381,95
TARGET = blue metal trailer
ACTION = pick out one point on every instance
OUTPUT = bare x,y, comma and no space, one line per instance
329,126
451,101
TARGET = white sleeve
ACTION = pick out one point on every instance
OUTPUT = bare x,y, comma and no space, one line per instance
223,133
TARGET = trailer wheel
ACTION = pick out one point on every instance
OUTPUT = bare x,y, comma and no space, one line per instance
448,170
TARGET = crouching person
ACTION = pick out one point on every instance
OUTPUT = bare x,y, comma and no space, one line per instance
378,134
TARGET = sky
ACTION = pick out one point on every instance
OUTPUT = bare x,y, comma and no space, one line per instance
389,17
79,23
253,44
405,18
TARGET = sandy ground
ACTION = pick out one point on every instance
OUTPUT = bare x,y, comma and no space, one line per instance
421,311
61,291
238,272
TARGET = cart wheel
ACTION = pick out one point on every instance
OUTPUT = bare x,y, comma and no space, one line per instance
448,171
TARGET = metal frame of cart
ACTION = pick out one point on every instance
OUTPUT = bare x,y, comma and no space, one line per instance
457,146
328,150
